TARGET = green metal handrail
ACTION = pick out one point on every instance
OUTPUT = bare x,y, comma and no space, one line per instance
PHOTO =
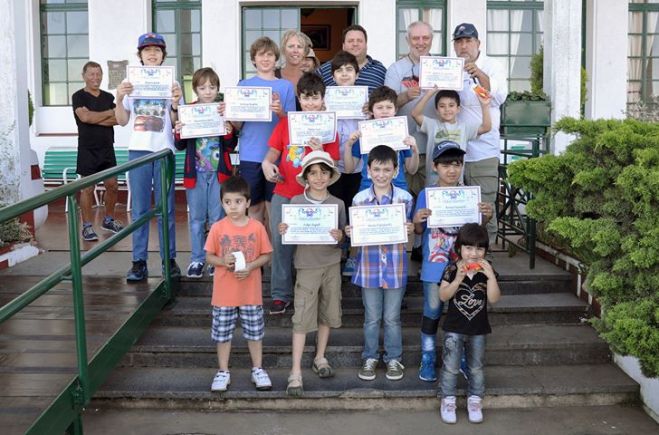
65,411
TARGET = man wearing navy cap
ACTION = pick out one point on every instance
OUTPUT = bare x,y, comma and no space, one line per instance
482,158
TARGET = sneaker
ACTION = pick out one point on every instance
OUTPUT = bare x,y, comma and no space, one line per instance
221,381
174,270
350,266
427,370
88,233
395,370
112,225
279,307
211,270
138,272
195,270
475,409
447,410
367,372
261,379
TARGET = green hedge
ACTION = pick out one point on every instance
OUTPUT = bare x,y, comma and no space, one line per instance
601,199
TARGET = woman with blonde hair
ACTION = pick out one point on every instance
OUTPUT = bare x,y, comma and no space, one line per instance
295,46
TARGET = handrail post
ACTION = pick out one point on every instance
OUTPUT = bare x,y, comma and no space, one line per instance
78,301
164,204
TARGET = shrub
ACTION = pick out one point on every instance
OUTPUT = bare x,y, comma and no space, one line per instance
601,199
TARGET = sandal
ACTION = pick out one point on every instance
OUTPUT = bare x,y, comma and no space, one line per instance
294,387
322,368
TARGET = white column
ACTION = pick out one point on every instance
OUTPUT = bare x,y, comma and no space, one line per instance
14,129
379,20
220,49
606,58
562,63
471,11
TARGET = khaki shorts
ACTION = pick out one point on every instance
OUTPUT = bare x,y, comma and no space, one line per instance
416,182
317,298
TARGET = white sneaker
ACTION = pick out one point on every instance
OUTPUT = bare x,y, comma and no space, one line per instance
221,381
261,379
475,409
447,410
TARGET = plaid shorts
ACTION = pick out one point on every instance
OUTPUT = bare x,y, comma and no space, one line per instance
224,322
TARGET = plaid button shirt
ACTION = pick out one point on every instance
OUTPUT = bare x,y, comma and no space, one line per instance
383,266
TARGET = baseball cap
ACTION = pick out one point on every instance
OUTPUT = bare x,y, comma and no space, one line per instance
149,39
444,146
318,157
465,30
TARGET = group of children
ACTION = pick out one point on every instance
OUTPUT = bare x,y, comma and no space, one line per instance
273,171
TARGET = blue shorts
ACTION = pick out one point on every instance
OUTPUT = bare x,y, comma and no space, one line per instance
224,323
259,189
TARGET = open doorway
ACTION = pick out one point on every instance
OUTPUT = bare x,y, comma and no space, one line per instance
323,25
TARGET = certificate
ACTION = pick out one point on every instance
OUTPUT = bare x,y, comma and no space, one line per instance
443,72
378,225
384,131
346,101
151,81
453,206
200,120
244,103
309,223
302,126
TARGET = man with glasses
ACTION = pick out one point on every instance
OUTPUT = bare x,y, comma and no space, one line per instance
482,158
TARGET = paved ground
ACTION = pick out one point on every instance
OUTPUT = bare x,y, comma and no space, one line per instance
604,420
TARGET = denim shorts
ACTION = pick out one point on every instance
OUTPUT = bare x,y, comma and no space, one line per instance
224,323
259,189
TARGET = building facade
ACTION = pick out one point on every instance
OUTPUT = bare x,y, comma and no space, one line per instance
52,39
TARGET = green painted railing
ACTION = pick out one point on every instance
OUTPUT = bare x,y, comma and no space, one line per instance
515,227
64,413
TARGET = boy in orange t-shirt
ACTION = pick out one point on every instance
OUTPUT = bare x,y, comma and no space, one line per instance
237,246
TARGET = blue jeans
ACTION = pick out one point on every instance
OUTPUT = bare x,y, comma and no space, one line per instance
432,311
203,203
382,305
281,278
143,180
454,344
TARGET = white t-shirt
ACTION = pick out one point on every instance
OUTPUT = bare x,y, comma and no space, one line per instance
150,124
487,144
437,131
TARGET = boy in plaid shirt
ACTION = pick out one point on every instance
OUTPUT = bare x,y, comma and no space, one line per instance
382,270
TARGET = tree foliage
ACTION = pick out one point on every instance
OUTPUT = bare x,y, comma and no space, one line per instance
601,199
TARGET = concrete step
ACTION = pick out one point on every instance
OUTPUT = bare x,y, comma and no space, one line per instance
506,387
512,345
548,308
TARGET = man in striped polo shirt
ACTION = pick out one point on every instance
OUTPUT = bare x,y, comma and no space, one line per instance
371,71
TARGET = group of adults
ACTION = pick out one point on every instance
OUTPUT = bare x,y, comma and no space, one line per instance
298,57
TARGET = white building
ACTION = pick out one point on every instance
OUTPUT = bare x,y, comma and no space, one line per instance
46,42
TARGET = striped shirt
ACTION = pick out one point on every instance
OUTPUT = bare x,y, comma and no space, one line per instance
371,75
383,266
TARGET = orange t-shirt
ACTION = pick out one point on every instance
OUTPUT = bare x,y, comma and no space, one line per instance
226,237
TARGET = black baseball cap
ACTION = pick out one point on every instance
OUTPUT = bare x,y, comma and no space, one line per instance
465,30
444,146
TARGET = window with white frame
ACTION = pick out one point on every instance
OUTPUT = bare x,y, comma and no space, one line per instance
64,49
431,12
643,51
514,34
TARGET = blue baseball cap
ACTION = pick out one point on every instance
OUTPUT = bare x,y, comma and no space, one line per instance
465,30
149,39
444,146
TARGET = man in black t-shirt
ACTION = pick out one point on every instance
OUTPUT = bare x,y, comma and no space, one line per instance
93,110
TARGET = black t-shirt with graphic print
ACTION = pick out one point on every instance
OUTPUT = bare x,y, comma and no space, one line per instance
467,309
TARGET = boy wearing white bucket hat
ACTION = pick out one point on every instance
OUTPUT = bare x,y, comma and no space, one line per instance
318,284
